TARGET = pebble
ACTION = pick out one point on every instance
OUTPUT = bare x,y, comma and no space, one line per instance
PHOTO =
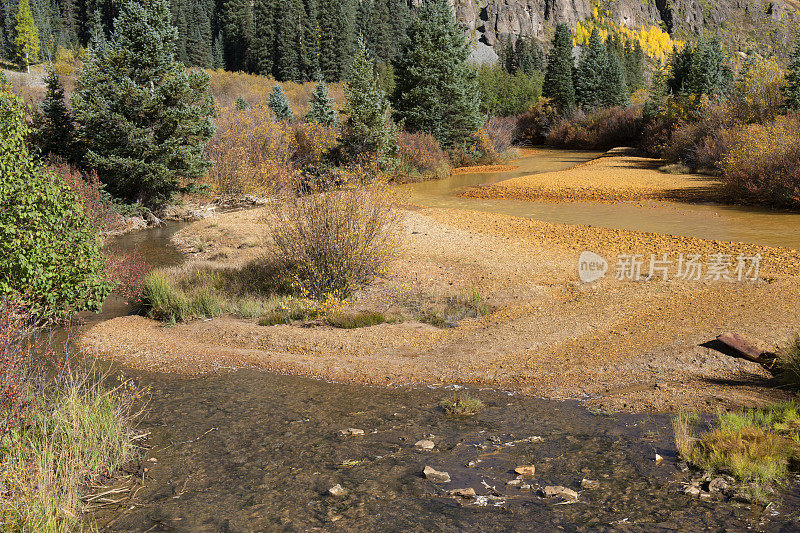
424,444
558,490
337,491
527,470
434,475
692,490
525,487
659,458
350,432
589,484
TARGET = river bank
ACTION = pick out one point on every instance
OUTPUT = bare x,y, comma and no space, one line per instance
623,344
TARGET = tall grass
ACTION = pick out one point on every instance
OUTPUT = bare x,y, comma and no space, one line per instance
61,428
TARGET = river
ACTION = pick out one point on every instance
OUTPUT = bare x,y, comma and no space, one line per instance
253,451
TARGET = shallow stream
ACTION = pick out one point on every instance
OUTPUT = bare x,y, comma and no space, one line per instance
253,451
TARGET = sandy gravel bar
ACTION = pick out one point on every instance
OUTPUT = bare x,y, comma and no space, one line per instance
624,344
617,176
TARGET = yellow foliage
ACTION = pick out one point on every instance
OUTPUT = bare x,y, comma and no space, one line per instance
655,42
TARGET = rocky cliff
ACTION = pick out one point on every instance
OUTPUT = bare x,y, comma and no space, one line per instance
742,23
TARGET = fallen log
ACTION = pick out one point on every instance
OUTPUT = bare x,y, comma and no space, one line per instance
745,349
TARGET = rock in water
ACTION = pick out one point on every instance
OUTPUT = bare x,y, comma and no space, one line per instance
463,493
692,490
434,475
717,484
527,470
337,491
350,432
424,444
563,492
589,484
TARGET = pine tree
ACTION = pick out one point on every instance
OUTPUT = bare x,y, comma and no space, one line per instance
145,119
26,41
237,28
791,92
308,40
280,104
589,76
614,89
218,52
436,89
287,36
53,128
367,133
97,35
558,83
264,36
709,73
336,30
198,40
320,108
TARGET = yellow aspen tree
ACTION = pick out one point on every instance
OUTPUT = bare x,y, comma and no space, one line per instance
27,40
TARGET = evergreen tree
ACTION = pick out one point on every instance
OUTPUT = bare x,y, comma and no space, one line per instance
320,109
264,36
97,36
287,36
791,92
280,104
308,40
218,52
53,129
436,89
145,119
700,69
198,39
523,56
614,89
558,83
589,76
634,65
26,41
367,133
237,29
336,25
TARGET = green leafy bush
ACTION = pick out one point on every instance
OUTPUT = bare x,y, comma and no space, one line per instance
50,255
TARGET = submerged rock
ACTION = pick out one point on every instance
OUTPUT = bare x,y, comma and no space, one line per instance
350,432
589,484
527,470
692,490
558,490
463,493
338,491
717,484
424,444
434,475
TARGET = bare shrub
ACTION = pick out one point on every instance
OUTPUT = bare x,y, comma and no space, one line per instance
604,129
534,126
333,242
501,131
682,427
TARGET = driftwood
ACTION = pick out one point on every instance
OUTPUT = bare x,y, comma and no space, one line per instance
742,347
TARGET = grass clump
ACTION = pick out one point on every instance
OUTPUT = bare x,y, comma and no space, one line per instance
450,310
758,447
285,315
163,299
788,365
461,405
361,319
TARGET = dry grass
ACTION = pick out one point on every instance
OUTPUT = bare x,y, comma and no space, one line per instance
789,365
359,319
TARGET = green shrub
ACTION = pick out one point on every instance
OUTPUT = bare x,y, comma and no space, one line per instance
285,315
355,320
507,94
50,254
206,304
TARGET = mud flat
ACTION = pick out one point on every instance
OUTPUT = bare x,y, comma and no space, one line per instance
619,175
624,344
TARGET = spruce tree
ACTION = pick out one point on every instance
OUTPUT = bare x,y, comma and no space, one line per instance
558,83
320,109
26,41
308,40
367,133
614,88
53,130
288,65
237,28
280,104
436,89
264,36
145,119
590,73
336,25
791,92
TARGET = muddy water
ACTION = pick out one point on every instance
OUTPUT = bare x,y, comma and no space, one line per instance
726,223
252,451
